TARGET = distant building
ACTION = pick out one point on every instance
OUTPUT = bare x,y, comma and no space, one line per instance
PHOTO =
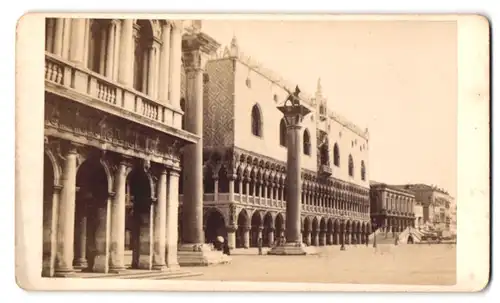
392,208
438,207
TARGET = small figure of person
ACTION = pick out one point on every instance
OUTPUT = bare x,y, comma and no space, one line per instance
396,240
259,245
225,248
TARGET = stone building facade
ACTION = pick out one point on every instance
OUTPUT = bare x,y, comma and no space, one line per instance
113,139
245,154
392,208
438,206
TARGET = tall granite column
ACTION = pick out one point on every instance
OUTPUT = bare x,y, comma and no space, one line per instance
294,113
196,48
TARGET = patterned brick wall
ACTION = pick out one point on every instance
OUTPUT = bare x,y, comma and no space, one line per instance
218,104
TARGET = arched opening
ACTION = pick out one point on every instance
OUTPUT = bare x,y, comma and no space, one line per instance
410,239
351,166
223,181
243,225
363,171
256,121
138,223
208,180
90,213
336,232
306,237
322,232
324,153
183,108
315,231
347,233
279,226
268,233
144,55
179,227
215,226
256,228
336,155
99,30
283,132
329,231
307,142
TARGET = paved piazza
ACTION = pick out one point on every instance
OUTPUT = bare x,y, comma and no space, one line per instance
387,264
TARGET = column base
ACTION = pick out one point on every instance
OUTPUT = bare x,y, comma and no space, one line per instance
117,269
200,255
101,264
80,264
64,273
292,249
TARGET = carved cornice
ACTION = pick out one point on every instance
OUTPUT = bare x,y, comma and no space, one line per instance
90,127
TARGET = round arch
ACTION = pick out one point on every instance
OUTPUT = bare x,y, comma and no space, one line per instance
215,226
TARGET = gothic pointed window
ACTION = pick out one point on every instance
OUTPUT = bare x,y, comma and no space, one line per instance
307,142
336,155
351,166
363,171
256,121
283,132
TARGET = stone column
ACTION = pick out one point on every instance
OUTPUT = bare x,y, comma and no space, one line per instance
196,48
231,178
102,236
231,236
164,74
117,247
172,219
66,38
160,222
308,238
110,51
322,240
126,62
270,237
336,238
175,69
50,232
77,46
81,230
294,186
330,238
193,154
145,233
66,215
316,238
246,237
58,36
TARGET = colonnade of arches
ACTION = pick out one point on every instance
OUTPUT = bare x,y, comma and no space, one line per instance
246,175
250,225
97,205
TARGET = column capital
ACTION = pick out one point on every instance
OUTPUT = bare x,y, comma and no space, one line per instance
57,188
174,172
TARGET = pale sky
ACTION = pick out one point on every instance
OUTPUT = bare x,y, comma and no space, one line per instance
399,79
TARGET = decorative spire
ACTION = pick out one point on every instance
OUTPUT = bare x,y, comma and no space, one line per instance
319,89
235,50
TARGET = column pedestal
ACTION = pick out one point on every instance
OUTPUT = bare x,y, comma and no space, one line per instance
200,255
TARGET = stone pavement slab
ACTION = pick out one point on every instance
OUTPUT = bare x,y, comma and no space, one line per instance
386,264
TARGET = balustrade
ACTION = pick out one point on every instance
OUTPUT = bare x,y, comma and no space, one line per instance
59,72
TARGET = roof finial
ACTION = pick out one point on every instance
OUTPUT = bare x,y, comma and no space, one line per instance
319,89
234,46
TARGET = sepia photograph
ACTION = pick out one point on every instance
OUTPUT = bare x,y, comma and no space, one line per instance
215,149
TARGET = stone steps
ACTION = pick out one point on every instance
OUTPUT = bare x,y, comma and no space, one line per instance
150,275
